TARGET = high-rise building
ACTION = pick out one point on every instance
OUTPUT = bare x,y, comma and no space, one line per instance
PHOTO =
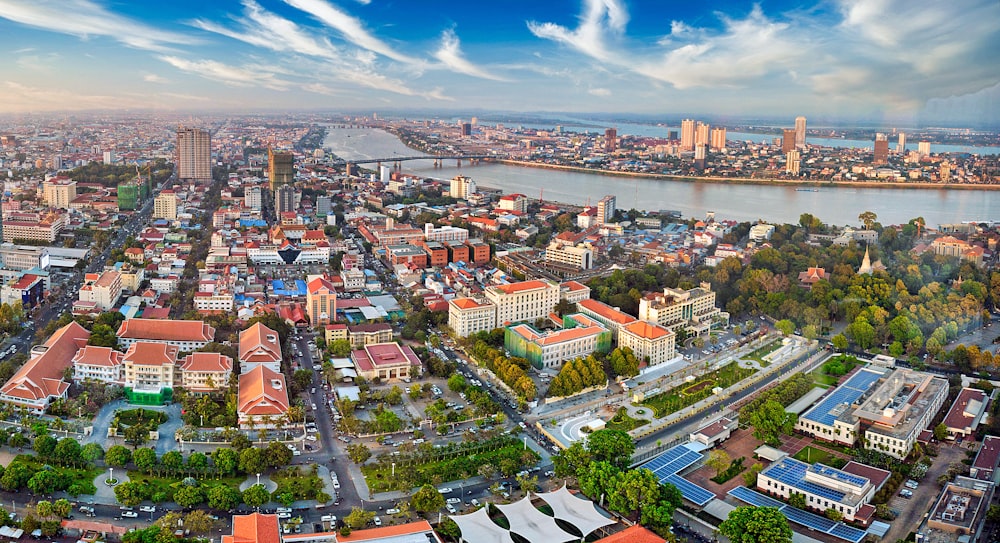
701,134
109,157
787,139
718,138
253,198
924,148
59,192
462,187
284,199
165,205
881,149
792,162
466,128
610,140
800,132
901,144
700,151
280,168
194,154
57,162
672,135
687,135
606,209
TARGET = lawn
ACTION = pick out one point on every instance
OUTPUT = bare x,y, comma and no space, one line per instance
688,394
165,486
761,352
302,484
81,480
622,421
812,455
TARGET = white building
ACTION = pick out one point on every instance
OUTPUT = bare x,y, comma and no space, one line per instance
650,342
102,364
445,234
188,336
213,302
165,205
253,198
847,490
466,316
675,308
761,232
580,256
524,301
103,290
462,187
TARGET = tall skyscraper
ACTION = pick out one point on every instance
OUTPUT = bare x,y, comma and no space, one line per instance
787,139
800,132
792,162
901,144
924,148
701,134
606,209
194,154
610,140
881,149
280,168
687,135
284,199
466,128
718,138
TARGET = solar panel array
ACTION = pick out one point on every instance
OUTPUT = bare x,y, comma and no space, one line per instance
792,473
835,473
847,393
667,465
798,516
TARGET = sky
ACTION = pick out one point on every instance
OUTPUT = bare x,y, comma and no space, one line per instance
929,61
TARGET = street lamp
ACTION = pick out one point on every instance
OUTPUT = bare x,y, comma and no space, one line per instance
258,478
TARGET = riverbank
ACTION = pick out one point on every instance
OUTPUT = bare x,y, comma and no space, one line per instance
754,181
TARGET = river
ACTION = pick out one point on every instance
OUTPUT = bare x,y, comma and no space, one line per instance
837,205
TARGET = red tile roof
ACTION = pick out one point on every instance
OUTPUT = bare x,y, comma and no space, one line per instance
605,311
41,376
208,362
647,330
421,526
384,354
523,286
958,416
633,534
254,528
987,457
259,344
98,356
144,353
159,330
875,475
262,392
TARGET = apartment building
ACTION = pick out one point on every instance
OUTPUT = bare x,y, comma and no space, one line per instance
40,380
579,337
259,346
574,291
262,399
649,341
578,256
692,309
514,202
524,301
102,364
205,372
445,234
361,334
213,302
321,301
187,336
23,257
59,192
103,289
901,407
466,316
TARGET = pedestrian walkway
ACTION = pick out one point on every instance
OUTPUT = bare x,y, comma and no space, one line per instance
105,493
268,484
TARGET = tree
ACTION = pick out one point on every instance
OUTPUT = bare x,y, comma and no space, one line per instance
44,482
223,497
868,218
251,461
339,348
527,483
45,445
797,499
130,493
834,515
358,518
718,460
358,453
395,395
277,454
198,522
144,459
103,335
747,524
941,432
426,500
256,496
612,446
189,496
225,461
785,326
136,436
172,461
198,461
839,342
456,383
770,421
623,362
93,453
44,508
62,508
750,477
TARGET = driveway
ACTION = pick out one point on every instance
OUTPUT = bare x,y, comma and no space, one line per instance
165,444
911,511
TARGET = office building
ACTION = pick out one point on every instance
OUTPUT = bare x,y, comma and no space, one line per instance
466,129
792,162
651,343
59,192
700,153
718,139
787,140
165,205
462,187
687,135
514,202
103,290
284,199
150,368
386,361
901,144
579,337
524,301
324,206
35,227
466,316
610,140
606,209
280,168
23,257
253,198
205,372
966,413
924,148
959,513
579,256
445,234
611,317
360,334
187,336
847,491
881,149
800,132
693,310
101,364
702,134
194,154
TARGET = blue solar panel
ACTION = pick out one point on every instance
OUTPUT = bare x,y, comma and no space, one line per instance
756,499
849,533
691,492
791,472
848,393
835,473
805,518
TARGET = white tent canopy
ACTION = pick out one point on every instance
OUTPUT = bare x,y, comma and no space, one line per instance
532,524
478,527
580,513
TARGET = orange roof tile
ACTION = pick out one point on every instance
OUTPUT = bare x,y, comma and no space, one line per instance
386,532
254,528
145,353
647,330
41,376
98,356
206,362
160,330
259,395
467,303
633,534
605,311
523,286
259,344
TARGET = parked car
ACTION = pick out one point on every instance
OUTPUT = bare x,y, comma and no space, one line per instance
445,490
392,511
148,508
453,500
377,521
129,514
474,502
450,508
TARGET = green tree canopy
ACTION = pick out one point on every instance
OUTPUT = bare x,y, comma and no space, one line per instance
747,524
427,500
770,420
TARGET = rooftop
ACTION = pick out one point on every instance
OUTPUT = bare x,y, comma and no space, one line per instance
647,330
837,403
605,311
896,405
166,330
967,409
523,286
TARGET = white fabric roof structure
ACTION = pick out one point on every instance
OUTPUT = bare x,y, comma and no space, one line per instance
532,524
478,527
580,513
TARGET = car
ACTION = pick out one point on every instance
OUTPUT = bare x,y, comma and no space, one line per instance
313,391
130,514
317,367
522,473
550,473
336,484
284,515
377,521
453,500
148,508
906,493
311,437
126,508
911,484
474,502
296,452
450,508
445,490
392,511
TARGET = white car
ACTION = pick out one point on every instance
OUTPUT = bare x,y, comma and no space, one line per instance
377,521
445,490
336,484
148,508
392,511
311,437
453,500
130,514
451,508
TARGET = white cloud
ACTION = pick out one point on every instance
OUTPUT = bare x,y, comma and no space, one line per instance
264,29
450,55
600,91
351,28
153,78
600,18
227,74
84,18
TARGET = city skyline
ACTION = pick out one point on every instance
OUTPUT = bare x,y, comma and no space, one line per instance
889,60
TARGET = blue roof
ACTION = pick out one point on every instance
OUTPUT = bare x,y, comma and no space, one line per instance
668,464
847,393
798,516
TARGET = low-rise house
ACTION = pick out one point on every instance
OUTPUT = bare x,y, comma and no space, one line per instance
263,398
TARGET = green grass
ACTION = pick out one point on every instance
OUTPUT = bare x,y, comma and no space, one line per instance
81,480
622,421
812,455
380,477
761,352
168,485
821,378
302,484
676,399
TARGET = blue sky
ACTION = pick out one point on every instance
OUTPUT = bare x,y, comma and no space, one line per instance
876,59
